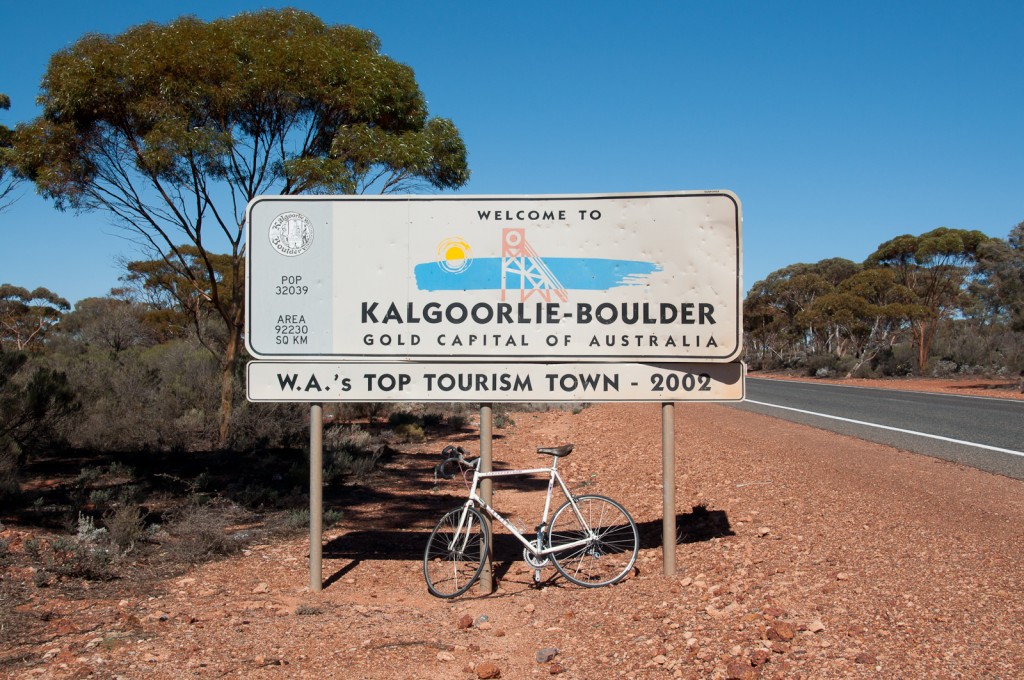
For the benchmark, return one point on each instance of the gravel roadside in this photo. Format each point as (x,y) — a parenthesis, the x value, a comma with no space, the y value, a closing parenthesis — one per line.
(801,554)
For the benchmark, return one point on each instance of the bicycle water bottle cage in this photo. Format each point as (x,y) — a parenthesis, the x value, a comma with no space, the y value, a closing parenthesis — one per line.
(557,451)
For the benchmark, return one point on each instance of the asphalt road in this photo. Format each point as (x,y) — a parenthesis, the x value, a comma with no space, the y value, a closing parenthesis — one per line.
(984,433)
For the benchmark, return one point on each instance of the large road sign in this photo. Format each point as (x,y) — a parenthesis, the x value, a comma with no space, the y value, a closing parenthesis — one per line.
(606,278)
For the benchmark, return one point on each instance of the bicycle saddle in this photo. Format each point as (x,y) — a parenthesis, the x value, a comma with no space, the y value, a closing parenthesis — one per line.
(557,451)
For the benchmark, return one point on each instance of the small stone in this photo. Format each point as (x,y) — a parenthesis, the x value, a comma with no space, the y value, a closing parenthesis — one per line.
(262,588)
(484,625)
(760,657)
(763,531)
(486,670)
(661,659)
(546,654)
(738,669)
(780,631)
(529,608)
(498,633)
(555,668)
(445,656)
(686,582)
(465,621)
(842,576)
(866,658)
(816,626)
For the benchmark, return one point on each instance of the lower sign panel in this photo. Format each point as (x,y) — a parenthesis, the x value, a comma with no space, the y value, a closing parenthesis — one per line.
(500,382)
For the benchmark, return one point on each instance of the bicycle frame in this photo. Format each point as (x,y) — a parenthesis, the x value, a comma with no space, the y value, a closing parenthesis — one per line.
(536,550)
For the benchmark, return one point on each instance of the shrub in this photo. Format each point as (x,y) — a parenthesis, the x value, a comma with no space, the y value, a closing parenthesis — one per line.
(398,419)
(410,432)
(822,365)
(125,525)
(80,557)
(458,421)
(199,531)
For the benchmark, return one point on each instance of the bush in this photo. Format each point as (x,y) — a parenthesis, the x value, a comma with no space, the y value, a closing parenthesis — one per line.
(822,365)
(897,361)
(410,432)
(199,531)
(458,421)
(350,452)
(125,525)
(35,407)
(85,555)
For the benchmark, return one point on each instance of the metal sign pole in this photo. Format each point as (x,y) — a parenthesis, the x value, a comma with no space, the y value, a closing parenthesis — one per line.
(316,497)
(668,481)
(486,461)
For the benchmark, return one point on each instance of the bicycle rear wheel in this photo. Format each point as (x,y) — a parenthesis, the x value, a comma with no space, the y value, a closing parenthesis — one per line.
(608,555)
(456,552)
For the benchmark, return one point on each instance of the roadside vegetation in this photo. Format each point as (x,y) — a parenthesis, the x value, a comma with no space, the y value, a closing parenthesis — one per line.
(947,302)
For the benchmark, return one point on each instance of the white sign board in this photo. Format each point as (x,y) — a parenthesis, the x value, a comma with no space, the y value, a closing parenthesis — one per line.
(289,381)
(629,277)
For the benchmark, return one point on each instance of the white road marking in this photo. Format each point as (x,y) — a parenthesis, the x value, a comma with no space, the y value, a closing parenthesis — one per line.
(893,429)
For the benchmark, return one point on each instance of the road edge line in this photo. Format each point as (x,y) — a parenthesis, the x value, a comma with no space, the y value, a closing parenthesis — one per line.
(891,429)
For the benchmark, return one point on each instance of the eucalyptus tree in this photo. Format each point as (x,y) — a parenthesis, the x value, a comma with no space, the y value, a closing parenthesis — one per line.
(7,178)
(865,314)
(26,316)
(776,315)
(936,267)
(172,129)
(1000,284)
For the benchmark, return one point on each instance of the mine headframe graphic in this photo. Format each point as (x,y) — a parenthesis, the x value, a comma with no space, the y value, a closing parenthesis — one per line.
(520,260)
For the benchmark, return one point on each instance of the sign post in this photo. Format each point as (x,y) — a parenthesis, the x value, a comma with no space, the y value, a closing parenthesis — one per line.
(486,490)
(617,297)
(668,484)
(316,497)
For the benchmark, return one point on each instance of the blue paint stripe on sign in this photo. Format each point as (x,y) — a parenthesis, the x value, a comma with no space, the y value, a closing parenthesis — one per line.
(572,273)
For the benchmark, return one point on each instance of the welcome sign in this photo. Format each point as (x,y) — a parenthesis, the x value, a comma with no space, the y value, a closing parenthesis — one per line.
(625,277)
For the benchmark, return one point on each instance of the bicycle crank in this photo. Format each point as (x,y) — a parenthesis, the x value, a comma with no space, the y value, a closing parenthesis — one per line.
(535,561)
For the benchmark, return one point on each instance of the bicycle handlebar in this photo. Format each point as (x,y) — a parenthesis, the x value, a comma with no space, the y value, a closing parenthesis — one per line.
(455,455)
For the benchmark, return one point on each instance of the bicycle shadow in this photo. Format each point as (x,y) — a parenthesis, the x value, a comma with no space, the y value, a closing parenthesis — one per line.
(698,525)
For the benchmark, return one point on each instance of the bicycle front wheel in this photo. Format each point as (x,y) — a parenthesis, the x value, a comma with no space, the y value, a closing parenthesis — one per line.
(610,545)
(456,552)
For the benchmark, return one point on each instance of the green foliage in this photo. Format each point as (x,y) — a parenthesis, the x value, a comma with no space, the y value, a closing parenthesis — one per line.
(161,397)
(172,129)
(935,266)
(110,323)
(27,316)
(85,555)
(35,408)
(999,286)
(908,290)
(8,181)
(180,294)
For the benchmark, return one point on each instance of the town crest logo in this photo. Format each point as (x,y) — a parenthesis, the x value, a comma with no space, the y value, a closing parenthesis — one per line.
(291,233)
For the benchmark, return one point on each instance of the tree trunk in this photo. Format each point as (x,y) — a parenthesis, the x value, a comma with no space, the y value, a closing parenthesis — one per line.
(227,389)
(923,331)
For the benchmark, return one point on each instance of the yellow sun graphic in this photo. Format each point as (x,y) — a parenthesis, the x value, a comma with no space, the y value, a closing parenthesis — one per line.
(453,255)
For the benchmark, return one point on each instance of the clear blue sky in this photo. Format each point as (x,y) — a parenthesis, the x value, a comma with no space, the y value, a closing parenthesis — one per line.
(839,125)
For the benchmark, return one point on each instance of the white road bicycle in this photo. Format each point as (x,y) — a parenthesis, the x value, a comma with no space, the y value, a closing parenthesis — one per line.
(591,540)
